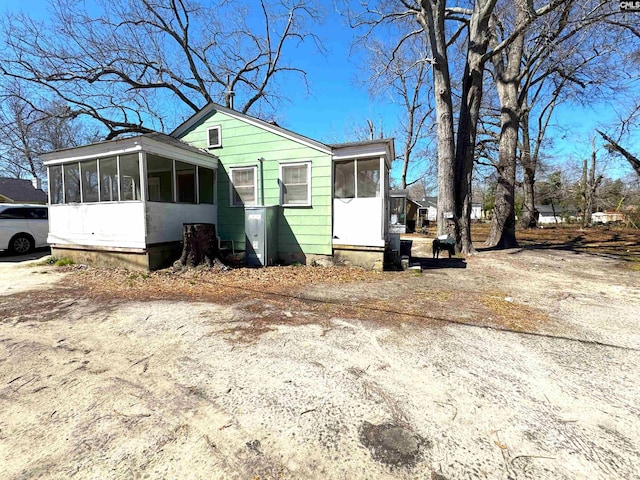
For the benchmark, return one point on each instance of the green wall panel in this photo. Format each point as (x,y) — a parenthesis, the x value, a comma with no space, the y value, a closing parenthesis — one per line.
(305,230)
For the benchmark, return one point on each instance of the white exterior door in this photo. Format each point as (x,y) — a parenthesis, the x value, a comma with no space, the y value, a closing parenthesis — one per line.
(358,202)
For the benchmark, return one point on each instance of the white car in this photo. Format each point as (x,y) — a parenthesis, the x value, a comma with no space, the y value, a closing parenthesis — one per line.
(23,227)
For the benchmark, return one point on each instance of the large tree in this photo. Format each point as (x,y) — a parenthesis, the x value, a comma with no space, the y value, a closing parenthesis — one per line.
(29,128)
(133,65)
(569,53)
(401,75)
(443,26)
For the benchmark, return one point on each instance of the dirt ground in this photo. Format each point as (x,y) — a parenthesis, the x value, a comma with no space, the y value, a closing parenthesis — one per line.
(515,364)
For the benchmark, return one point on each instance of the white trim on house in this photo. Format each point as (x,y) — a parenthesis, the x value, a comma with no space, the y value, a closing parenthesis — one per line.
(131,145)
(367,149)
(218,144)
(232,203)
(206,111)
(281,181)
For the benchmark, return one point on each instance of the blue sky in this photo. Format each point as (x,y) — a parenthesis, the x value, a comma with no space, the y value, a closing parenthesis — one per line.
(337,105)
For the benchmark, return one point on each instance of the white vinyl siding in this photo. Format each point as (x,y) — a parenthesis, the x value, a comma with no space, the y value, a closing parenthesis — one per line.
(295,184)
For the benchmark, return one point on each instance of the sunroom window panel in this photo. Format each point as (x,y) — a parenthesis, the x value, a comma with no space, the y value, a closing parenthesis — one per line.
(344,178)
(206,186)
(55,184)
(368,178)
(108,179)
(89,173)
(397,207)
(72,183)
(186,175)
(129,177)
(159,178)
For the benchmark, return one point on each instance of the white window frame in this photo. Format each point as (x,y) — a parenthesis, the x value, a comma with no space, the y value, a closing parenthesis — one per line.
(232,186)
(219,144)
(281,178)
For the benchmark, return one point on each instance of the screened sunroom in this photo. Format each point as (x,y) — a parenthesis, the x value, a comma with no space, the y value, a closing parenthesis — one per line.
(124,201)
(360,193)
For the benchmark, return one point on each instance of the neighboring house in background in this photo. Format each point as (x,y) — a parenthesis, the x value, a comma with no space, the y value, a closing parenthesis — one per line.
(607,217)
(324,200)
(403,212)
(549,214)
(17,190)
(428,211)
(476,211)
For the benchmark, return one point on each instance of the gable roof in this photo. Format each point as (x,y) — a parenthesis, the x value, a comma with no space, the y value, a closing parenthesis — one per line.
(19,190)
(211,108)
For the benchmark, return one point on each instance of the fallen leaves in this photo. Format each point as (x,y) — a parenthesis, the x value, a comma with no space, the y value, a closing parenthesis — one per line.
(210,283)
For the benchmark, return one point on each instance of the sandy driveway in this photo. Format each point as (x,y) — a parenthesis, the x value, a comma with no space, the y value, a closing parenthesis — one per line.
(523,364)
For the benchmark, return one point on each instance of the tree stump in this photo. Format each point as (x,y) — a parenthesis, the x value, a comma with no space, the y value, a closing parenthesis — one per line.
(200,245)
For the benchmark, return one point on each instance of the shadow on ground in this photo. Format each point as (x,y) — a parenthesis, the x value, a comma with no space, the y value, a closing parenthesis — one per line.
(8,257)
(436,263)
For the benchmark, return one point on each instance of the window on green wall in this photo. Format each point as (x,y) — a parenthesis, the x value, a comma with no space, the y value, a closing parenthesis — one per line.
(207,185)
(295,184)
(159,178)
(244,189)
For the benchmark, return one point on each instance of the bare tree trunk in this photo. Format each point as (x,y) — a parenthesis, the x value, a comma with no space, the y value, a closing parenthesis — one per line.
(405,167)
(507,70)
(590,186)
(528,218)
(583,195)
(432,20)
(468,120)
(503,225)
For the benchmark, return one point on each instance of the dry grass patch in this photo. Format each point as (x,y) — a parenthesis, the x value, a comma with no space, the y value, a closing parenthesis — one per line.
(506,313)
(208,284)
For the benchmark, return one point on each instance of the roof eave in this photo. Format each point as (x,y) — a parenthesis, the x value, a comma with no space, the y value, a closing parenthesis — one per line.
(123,146)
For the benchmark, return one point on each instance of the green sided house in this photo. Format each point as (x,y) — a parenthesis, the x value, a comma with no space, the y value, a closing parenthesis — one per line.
(276,195)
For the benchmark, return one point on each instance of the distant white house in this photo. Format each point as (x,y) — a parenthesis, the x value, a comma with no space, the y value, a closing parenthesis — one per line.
(476,211)
(549,214)
(607,217)
(429,211)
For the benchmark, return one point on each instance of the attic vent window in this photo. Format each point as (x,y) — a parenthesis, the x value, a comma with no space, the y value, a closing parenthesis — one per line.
(214,137)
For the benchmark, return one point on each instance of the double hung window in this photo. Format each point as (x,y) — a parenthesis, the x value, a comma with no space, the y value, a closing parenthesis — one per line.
(244,189)
(295,184)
